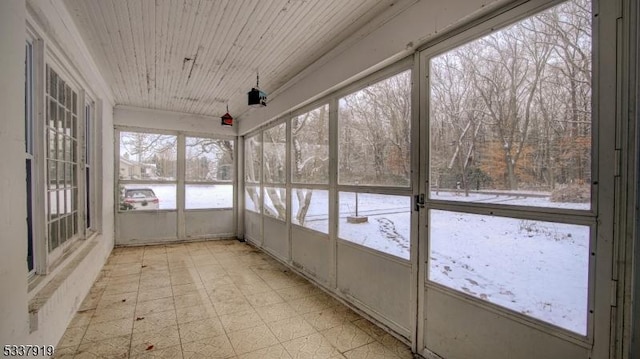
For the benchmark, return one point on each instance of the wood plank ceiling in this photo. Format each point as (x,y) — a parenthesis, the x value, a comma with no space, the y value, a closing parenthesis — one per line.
(197,56)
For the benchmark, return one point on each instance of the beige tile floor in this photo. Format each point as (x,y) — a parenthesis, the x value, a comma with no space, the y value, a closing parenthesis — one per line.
(217,299)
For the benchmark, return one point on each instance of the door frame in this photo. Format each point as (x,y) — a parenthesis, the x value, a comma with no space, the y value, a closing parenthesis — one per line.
(605,187)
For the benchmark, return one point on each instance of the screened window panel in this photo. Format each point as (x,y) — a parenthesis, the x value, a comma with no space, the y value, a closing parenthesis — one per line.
(201,196)
(253,159)
(275,202)
(310,208)
(380,222)
(510,114)
(310,147)
(274,153)
(148,156)
(537,268)
(208,160)
(252,199)
(374,126)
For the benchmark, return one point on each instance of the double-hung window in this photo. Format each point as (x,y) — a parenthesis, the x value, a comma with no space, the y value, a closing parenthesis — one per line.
(29,153)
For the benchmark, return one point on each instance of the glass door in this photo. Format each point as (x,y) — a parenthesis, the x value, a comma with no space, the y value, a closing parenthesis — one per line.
(508,233)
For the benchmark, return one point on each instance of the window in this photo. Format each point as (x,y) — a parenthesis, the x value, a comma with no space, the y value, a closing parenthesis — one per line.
(62,160)
(275,202)
(310,166)
(310,147)
(148,171)
(274,168)
(378,221)
(510,118)
(252,198)
(88,163)
(375,134)
(310,208)
(209,172)
(253,173)
(58,158)
(374,149)
(533,267)
(29,152)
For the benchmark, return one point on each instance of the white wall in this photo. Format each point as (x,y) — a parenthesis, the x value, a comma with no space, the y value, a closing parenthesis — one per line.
(57,303)
(13,230)
(170,121)
(356,58)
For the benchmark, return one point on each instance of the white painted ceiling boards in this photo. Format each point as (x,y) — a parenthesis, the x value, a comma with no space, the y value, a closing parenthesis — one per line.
(195,56)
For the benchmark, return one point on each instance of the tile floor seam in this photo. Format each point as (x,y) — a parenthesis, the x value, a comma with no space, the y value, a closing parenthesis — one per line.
(135,309)
(175,311)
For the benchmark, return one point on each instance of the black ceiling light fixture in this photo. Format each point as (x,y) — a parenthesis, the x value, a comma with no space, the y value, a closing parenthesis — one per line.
(226,119)
(257,98)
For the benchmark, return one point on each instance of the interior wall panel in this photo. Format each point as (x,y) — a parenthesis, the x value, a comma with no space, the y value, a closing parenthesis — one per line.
(485,333)
(276,239)
(311,253)
(209,223)
(146,227)
(379,282)
(252,227)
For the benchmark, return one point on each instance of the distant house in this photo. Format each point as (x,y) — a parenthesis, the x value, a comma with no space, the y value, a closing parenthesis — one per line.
(136,170)
(129,169)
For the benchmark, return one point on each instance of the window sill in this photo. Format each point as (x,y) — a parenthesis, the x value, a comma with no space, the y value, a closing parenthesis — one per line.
(43,287)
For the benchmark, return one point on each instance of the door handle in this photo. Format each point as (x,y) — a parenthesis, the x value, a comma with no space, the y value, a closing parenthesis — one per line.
(419,201)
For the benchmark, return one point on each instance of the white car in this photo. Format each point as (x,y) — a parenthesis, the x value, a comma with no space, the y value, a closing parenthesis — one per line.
(140,199)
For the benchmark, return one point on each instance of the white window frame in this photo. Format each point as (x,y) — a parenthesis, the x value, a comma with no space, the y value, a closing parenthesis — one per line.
(29,150)
(286,178)
(119,181)
(406,64)
(293,185)
(56,254)
(179,181)
(586,217)
(255,183)
(45,53)
(90,162)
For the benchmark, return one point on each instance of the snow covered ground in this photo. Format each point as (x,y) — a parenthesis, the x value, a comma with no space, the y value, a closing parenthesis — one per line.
(504,197)
(388,226)
(535,268)
(196,196)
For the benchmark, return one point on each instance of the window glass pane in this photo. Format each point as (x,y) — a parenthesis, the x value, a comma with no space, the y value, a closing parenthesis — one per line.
(88,137)
(253,159)
(147,197)
(199,196)
(252,199)
(378,221)
(510,117)
(208,159)
(375,134)
(28,98)
(540,269)
(310,146)
(275,202)
(53,235)
(62,164)
(275,150)
(147,156)
(310,208)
